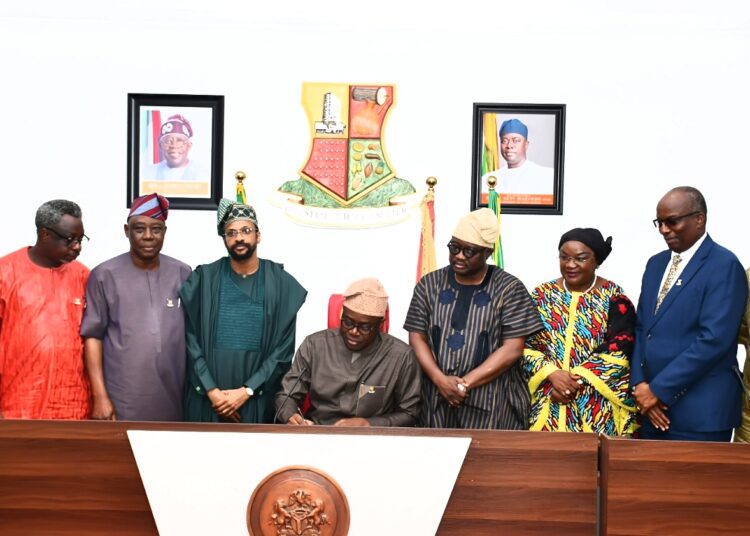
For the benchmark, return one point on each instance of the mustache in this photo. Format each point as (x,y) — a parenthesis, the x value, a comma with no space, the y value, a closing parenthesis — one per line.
(250,249)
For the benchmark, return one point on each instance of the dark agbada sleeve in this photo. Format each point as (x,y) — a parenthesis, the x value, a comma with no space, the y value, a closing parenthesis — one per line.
(191,296)
(286,296)
(417,318)
(518,314)
(96,314)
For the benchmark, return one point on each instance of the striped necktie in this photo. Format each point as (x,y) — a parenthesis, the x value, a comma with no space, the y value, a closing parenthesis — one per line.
(676,260)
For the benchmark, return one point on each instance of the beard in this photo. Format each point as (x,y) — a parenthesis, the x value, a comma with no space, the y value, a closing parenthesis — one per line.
(241,256)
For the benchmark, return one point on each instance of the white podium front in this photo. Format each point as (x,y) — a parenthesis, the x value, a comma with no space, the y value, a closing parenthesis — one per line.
(200,483)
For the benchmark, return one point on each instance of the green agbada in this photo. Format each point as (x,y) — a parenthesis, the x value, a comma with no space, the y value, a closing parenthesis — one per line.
(214,362)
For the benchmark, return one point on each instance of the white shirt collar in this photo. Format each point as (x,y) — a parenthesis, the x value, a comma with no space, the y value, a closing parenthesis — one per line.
(685,257)
(690,252)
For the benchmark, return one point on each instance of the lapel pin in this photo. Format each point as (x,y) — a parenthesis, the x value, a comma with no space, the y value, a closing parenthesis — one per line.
(679,283)
(170,303)
(77,301)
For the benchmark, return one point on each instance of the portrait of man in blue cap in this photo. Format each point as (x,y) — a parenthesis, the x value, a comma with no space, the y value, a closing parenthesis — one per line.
(517,174)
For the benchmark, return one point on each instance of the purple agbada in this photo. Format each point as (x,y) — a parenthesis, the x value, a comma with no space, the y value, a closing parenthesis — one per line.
(138,317)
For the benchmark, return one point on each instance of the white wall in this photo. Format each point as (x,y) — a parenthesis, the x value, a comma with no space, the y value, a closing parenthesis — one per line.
(656,97)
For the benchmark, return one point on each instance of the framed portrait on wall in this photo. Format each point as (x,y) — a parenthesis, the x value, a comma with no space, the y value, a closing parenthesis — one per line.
(175,148)
(522,146)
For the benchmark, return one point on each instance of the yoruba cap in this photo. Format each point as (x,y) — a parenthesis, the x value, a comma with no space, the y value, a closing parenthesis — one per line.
(230,211)
(366,296)
(514,126)
(479,227)
(592,238)
(177,124)
(152,205)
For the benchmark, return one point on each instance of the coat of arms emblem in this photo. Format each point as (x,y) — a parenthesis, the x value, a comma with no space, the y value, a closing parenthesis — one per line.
(347,165)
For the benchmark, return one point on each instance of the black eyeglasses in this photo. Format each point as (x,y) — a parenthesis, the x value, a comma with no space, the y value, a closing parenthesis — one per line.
(245,231)
(468,252)
(364,328)
(69,240)
(674,220)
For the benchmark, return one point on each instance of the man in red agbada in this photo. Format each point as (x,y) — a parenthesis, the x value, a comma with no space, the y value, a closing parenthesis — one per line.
(42,291)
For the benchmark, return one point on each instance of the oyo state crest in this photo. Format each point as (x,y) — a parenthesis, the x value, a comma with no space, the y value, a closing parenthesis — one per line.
(347,166)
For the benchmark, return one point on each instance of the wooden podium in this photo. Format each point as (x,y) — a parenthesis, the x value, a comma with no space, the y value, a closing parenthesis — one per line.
(80,478)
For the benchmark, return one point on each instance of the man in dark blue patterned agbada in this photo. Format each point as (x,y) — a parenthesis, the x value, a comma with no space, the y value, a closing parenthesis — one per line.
(240,321)
(468,323)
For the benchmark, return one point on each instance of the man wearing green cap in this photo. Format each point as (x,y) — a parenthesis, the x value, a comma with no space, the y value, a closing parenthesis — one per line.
(240,320)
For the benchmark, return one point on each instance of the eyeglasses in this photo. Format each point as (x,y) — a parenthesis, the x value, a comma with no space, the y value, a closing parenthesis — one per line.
(69,240)
(245,231)
(674,220)
(580,260)
(365,329)
(468,252)
(177,141)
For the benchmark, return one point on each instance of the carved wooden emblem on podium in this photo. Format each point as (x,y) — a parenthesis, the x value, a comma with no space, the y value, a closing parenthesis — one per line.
(298,501)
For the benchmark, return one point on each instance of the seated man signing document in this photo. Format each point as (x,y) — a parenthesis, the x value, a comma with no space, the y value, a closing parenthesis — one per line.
(355,375)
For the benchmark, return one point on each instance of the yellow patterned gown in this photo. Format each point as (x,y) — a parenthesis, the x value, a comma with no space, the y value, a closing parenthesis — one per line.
(589,334)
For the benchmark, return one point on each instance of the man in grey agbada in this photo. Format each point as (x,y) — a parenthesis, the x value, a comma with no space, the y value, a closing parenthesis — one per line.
(133,327)
(355,375)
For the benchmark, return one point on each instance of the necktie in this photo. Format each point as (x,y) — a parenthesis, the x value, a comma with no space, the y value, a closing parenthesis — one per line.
(676,260)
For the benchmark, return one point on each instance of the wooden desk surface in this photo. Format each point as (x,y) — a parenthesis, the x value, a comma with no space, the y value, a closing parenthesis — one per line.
(81,478)
(674,488)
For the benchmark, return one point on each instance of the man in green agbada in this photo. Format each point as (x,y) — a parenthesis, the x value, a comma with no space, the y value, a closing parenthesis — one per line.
(240,320)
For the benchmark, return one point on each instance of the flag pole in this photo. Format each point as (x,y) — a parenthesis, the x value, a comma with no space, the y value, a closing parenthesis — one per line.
(426,261)
(494,205)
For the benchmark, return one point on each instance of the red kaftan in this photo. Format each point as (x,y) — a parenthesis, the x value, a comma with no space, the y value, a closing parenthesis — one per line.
(41,351)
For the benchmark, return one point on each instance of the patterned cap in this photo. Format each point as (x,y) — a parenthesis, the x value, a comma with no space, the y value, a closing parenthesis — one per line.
(152,205)
(177,124)
(230,211)
(514,126)
(367,297)
(479,227)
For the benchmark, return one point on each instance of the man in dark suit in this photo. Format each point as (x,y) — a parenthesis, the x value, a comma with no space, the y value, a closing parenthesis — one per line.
(692,301)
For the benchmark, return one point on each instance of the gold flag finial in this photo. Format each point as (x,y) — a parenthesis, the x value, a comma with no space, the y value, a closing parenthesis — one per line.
(491,181)
(431,182)
(240,189)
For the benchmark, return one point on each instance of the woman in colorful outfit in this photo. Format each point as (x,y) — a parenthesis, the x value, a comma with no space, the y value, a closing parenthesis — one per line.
(578,367)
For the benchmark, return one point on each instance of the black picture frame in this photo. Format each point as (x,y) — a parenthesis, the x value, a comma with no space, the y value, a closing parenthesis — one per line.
(195,186)
(545,124)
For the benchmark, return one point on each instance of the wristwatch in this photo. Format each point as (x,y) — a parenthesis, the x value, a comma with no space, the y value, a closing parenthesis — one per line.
(249,391)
